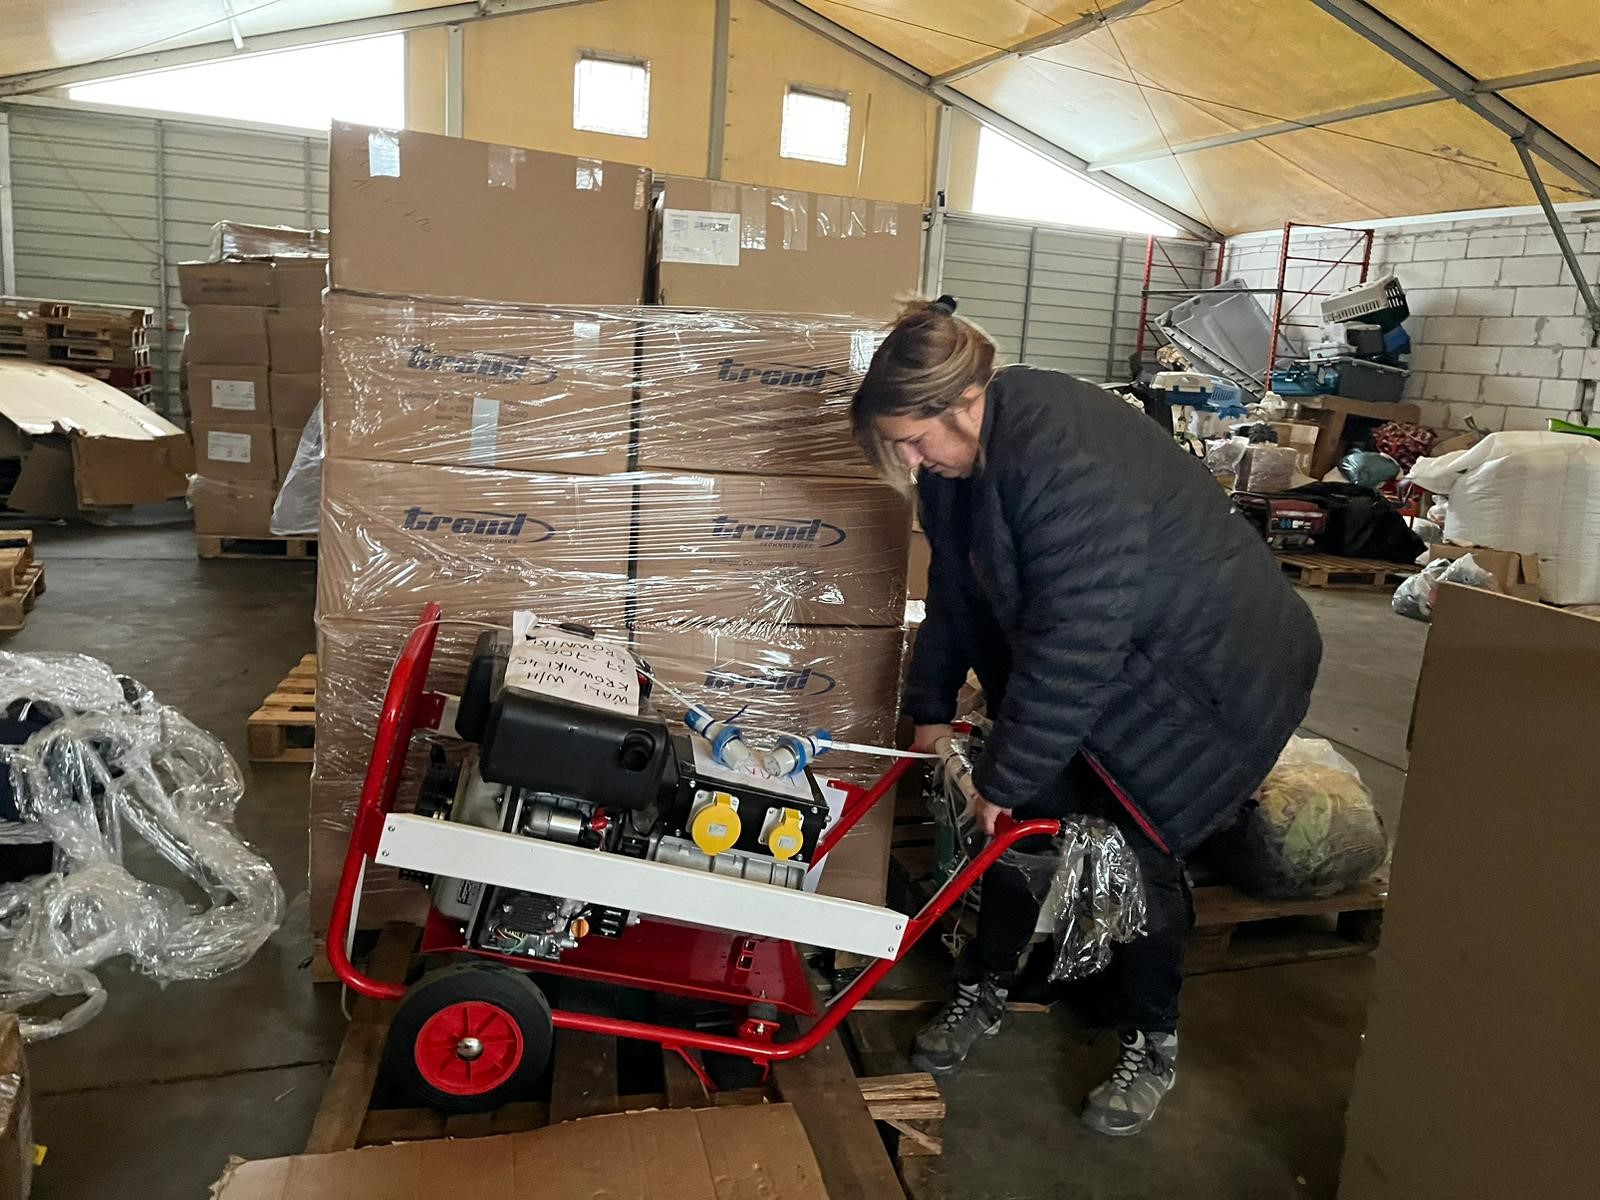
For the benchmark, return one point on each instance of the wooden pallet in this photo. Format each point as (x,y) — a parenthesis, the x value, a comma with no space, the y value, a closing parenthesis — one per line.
(1332,571)
(18,603)
(16,557)
(589,1077)
(255,546)
(283,729)
(1232,931)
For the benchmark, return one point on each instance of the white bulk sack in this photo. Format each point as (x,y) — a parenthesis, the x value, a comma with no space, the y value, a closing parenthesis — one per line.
(1535,493)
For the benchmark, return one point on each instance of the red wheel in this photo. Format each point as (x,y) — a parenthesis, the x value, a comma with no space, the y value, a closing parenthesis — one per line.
(468,1048)
(470,1038)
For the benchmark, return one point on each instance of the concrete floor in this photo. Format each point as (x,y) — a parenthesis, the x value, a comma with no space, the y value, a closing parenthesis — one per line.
(152,1097)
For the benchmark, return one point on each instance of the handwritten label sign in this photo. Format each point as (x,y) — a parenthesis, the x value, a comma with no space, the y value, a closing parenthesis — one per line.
(571,667)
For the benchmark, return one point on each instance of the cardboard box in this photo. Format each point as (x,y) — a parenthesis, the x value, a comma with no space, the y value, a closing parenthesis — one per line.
(227,283)
(240,394)
(298,283)
(238,239)
(918,565)
(234,452)
(237,508)
(1514,574)
(1491,882)
(16,1113)
(730,1153)
(395,536)
(474,385)
(294,397)
(755,549)
(729,245)
(1301,437)
(226,333)
(416,214)
(764,393)
(294,339)
(85,444)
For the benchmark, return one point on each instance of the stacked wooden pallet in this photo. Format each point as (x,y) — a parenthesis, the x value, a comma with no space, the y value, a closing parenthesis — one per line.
(112,344)
(21,579)
(283,728)
(592,1075)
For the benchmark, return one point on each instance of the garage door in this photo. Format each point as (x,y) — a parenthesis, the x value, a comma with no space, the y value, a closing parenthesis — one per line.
(1056,297)
(105,206)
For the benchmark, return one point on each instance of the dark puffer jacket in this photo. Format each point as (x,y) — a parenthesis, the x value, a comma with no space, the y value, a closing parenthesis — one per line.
(1096,578)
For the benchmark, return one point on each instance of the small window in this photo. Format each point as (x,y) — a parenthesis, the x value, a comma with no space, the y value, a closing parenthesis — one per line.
(816,126)
(611,95)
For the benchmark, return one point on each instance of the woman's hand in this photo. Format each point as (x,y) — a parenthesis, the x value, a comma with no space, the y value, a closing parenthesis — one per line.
(925,737)
(986,814)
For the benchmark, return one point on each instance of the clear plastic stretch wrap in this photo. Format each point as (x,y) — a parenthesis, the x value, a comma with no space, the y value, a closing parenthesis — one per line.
(683,482)
(114,761)
(591,391)
(235,239)
(297,509)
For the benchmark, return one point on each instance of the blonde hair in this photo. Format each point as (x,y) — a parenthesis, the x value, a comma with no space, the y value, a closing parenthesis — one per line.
(924,366)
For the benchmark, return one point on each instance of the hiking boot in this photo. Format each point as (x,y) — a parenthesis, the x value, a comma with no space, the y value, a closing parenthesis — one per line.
(1123,1105)
(976,1011)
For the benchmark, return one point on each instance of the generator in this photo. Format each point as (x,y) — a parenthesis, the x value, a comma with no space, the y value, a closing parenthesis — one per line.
(605,844)
(617,783)
(1285,522)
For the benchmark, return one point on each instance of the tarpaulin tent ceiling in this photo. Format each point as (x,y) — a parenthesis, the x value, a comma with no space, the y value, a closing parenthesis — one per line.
(1243,112)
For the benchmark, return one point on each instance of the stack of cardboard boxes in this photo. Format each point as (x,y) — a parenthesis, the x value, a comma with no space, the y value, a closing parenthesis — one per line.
(682,479)
(254,362)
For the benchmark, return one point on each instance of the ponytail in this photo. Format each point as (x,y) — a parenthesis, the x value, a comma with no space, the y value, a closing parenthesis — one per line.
(928,361)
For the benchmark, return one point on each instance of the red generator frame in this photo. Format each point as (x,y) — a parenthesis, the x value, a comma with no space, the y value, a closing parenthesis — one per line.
(758,977)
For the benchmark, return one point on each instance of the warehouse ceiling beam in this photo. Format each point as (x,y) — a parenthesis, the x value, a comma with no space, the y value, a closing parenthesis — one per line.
(1503,83)
(267,43)
(921,80)
(1590,304)
(1406,48)
(1070,32)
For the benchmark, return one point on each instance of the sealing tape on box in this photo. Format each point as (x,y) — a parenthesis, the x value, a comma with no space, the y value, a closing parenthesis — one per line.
(886,219)
(503,162)
(795,219)
(753,218)
(484,434)
(591,176)
(830,212)
(855,224)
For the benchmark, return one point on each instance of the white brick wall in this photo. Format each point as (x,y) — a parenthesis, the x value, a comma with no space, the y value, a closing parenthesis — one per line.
(1498,329)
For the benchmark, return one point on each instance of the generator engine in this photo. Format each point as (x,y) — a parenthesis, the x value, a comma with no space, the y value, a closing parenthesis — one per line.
(612,782)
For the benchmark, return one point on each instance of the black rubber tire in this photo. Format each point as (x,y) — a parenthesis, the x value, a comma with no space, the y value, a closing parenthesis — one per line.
(507,988)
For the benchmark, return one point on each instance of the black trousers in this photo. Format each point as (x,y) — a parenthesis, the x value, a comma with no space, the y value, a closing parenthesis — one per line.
(1145,976)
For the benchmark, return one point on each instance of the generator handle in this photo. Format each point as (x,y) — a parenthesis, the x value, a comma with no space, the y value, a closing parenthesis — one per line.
(860,801)
(404,705)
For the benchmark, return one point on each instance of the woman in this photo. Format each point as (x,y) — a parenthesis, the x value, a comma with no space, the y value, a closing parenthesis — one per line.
(1142,657)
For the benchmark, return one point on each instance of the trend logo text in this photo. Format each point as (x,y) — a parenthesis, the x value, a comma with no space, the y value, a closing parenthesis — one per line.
(511,526)
(815,532)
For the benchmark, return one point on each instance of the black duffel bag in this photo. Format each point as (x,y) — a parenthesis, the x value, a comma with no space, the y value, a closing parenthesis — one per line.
(1361,524)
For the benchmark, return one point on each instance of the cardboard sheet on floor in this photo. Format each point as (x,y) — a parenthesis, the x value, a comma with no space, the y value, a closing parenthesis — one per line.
(687,1154)
(88,439)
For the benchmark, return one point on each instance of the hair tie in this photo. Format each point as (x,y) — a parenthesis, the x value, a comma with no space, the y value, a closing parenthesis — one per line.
(945,304)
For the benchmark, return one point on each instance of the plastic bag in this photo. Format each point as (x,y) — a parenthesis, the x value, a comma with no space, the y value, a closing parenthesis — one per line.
(116,762)
(1096,897)
(297,510)
(1310,831)
(1367,469)
(1224,457)
(1414,597)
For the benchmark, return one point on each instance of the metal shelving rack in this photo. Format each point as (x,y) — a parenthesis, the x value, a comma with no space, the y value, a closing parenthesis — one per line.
(1361,240)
